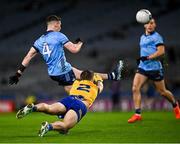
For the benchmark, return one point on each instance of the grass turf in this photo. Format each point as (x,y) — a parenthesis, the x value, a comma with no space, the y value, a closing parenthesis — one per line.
(111,127)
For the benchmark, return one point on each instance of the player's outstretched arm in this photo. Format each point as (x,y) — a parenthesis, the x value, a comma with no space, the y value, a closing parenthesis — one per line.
(14,79)
(74,47)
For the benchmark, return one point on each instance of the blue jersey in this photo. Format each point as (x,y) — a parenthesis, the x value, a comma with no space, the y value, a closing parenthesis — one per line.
(50,45)
(148,46)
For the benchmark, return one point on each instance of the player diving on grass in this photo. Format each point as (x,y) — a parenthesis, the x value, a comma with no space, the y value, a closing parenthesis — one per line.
(72,108)
(51,46)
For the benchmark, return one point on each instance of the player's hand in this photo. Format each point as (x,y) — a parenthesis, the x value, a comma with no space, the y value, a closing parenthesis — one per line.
(138,61)
(144,58)
(97,78)
(78,40)
(14,79)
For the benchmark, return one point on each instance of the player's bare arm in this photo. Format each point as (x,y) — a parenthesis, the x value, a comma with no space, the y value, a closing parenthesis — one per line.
(74,48)
(15,78)
(160,51)
(32,53)
(100,86)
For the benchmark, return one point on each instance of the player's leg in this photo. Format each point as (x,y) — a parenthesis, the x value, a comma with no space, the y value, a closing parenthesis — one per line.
(138,82)
(116,74)
(69,121)
(161,88)
(53,109)
(77,72)
(76,109)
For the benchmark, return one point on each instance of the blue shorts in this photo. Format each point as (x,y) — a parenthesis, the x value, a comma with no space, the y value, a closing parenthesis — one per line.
(74,103)
(65,79)
(155,75)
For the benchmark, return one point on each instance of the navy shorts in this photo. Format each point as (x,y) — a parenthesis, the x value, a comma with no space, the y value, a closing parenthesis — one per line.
(74,103)
(155,75)
(65,79)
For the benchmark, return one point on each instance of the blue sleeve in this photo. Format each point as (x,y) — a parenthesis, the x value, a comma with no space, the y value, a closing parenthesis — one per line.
(62,38)
(36,46)
(159,40)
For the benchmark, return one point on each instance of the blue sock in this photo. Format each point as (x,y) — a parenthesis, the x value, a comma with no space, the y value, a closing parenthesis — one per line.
(138,111)
(50,127)
(34,109)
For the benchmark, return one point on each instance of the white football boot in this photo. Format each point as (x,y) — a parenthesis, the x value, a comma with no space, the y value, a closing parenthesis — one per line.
(44,129)
(117,72)
(24,111)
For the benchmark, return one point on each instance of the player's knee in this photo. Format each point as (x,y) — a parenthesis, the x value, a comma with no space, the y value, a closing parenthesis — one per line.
(44,105)
(135,89)
(50,109)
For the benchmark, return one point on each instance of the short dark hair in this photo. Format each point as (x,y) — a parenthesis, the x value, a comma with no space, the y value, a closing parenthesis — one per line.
(87,75)
(52,18)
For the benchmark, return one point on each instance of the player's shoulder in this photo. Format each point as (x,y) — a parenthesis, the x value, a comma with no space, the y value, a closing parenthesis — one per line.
(157,37)
(156,34)
(142,35)
(58,34)
(76,82)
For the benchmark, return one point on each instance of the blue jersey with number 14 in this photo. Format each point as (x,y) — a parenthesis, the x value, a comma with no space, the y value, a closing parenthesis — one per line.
(50,45)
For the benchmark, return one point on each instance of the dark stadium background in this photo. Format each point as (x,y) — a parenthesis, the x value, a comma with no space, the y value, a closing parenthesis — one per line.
(109,31)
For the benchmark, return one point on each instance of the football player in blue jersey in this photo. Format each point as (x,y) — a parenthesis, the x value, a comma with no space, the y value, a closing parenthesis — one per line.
(150,67)
(51,46)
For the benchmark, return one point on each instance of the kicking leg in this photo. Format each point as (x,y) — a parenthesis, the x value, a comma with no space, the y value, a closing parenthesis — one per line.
(116,74)
(77,72)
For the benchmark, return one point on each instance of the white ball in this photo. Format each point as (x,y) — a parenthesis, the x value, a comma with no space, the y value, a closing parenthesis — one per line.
(143,16)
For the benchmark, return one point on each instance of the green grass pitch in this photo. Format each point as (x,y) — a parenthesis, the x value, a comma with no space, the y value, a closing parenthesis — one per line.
(111,127)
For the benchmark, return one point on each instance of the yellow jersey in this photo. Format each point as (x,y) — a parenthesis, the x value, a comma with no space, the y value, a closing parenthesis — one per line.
(85,88)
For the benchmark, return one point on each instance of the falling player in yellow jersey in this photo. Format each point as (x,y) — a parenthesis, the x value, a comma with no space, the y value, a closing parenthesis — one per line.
(72,108)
